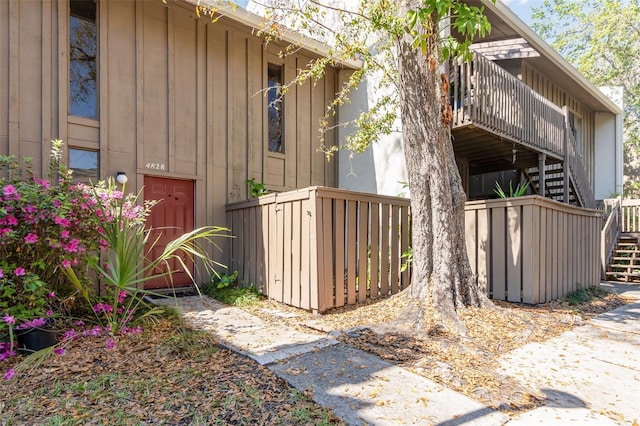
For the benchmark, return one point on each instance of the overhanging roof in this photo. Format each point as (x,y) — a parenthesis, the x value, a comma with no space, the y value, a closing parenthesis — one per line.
(254,21)
(507,26)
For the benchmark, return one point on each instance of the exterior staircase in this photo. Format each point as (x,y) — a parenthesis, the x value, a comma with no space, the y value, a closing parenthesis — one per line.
(554,183)
(624,264)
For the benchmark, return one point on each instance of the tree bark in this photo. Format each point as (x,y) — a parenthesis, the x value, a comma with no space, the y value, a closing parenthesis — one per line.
(441,274)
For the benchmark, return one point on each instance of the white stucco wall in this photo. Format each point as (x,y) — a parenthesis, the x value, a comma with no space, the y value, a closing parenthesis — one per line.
(381,168)
(608,174)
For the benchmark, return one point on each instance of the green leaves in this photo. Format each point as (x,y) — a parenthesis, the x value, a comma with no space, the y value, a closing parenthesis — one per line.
(518,191)
(601,38)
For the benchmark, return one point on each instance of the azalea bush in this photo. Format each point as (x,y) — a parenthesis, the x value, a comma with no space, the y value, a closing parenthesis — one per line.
(57,237)
(45,224)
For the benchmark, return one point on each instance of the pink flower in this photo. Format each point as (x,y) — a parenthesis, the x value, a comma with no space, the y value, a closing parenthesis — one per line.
(68,335)
(121,296)
(59,351)
(9,319)
(109,343)
(8,375)
(71,246)
(31,238)
(12,221)
(1,273)
(49,313)
(52,295)
(19,271)
(62,221)
(9,190)
(95,331)
(66,263)
(43,183)
(64,234)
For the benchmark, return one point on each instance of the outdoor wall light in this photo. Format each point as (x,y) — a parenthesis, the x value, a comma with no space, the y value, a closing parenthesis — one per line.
(121,178)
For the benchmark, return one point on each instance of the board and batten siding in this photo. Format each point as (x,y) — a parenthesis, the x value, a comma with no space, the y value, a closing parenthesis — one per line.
(532,249)
(179,97)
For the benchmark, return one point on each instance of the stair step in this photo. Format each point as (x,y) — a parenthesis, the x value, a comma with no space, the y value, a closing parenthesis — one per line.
(625,267)
(617,251)
(628,259)
(626,275)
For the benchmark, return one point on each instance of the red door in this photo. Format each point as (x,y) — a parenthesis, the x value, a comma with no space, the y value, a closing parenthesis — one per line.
(169,219)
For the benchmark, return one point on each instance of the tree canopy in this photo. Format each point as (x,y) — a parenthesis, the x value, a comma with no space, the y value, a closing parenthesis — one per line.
(405,45)
(602,39)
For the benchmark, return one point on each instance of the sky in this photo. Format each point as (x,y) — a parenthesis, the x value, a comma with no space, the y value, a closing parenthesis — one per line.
(522,8)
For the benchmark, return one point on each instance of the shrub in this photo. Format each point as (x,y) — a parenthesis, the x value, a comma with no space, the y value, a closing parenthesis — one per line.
(44,225)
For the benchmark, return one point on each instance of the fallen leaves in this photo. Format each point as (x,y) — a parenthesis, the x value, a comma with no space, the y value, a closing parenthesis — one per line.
(168,376)
(466,365)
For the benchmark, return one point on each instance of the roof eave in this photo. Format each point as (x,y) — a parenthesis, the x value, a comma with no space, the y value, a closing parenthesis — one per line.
(504,13)
(254,21)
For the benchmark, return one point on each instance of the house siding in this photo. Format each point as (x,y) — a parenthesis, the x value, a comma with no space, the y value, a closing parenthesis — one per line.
(179,97)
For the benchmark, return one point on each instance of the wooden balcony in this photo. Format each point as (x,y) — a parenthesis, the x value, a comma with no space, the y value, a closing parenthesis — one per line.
(499,123)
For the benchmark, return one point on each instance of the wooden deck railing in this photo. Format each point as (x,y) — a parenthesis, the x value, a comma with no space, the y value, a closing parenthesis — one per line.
(487,96)
(318,248)
(630,216)
(610,232)
(532,249)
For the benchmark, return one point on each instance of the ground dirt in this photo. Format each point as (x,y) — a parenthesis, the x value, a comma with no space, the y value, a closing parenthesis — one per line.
(464,364)
(169,375)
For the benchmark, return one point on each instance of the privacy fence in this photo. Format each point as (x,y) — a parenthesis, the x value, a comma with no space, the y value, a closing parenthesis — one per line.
(533,249)
(318,248)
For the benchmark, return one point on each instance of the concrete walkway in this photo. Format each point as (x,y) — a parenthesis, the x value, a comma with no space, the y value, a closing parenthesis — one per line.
(591,374)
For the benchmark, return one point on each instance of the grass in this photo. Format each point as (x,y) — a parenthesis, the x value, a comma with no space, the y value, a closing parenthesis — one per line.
(585,295)
(231,294)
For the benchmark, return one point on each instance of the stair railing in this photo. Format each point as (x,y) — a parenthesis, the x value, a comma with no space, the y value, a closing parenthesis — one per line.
(630,216)
(578,173)
(610,231)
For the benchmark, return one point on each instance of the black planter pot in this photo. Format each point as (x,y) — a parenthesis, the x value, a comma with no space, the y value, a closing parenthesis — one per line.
(33,339)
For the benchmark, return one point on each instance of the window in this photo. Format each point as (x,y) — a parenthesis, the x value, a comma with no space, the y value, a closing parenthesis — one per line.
(83,42)
(275,107)
(84,164)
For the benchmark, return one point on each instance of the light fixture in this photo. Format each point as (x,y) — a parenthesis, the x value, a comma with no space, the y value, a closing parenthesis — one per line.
(121,178)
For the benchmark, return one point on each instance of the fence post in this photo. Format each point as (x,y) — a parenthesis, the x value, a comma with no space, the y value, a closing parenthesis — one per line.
(565,165)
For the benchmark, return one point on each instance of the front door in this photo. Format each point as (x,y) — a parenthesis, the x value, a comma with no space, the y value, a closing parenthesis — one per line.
(169,219)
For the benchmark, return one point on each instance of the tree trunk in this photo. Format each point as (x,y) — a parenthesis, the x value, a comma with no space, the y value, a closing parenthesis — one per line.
(441,275)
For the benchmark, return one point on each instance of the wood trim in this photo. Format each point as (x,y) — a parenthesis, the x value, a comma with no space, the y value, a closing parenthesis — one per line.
(171,82)
(139,22)
(47,79)
(102,84)
(14,77)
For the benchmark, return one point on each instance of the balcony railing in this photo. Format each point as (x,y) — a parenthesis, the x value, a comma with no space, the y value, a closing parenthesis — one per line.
(485,95)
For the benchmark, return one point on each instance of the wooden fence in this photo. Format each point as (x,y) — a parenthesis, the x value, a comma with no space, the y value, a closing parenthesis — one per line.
(532,249)
(318,248)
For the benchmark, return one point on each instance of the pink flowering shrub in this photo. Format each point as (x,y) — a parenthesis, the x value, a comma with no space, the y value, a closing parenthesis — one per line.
(48,227)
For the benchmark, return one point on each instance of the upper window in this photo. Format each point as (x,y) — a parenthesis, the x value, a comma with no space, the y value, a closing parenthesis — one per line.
(83,42)
(275,107)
